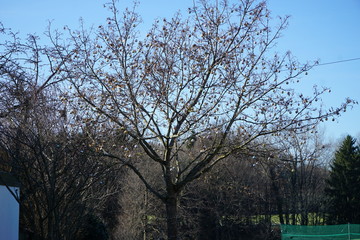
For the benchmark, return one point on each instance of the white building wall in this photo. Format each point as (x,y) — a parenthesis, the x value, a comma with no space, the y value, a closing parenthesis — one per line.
(9,214)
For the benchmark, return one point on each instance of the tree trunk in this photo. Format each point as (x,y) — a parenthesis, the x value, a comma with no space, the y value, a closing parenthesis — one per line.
(171,216)
(276,191)
(145,215)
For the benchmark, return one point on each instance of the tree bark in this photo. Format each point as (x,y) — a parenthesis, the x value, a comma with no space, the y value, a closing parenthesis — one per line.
(276,191)
(171,216)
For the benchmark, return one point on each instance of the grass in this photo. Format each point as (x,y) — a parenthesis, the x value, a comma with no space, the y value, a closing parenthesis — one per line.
(275,219)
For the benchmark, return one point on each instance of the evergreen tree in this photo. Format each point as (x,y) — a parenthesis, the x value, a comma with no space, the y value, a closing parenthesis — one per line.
(343,184)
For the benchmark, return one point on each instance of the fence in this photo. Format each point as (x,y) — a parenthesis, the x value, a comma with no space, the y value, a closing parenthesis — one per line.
(328,232)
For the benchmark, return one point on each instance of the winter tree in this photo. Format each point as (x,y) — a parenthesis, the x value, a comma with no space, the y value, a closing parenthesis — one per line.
(192,80)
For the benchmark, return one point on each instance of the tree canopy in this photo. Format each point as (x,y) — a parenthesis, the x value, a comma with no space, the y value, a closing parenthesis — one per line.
(343,184)
(202,78)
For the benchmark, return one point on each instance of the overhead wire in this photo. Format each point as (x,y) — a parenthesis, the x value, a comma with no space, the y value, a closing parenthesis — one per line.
(341,61)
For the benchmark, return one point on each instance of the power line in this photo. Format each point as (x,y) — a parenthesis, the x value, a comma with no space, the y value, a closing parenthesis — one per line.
(346,60)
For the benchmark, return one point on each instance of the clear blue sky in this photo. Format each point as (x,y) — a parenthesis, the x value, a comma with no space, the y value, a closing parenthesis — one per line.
(325,30)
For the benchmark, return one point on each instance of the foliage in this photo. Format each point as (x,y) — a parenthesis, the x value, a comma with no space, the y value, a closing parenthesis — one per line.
(343,183)
(94,229)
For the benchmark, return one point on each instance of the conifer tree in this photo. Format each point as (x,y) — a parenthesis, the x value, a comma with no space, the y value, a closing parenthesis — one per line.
(343,185)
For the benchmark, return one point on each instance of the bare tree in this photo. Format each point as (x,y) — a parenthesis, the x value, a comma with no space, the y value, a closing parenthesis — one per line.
(199,78)
(62,177)
(308,173)
(296,170)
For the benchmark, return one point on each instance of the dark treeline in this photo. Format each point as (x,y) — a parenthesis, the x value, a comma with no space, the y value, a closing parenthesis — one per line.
(69,190)
(247,197)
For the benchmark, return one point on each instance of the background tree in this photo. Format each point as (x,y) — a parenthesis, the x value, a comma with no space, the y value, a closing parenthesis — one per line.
(141,214)
(307,177)
(62,177)
(200,78)
(299,172)
(343,184)
(228,202)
